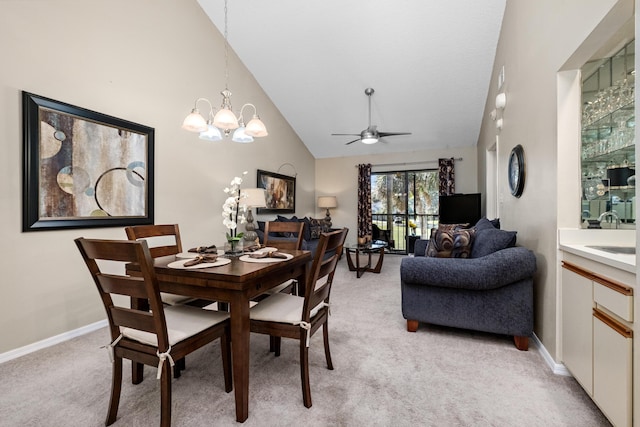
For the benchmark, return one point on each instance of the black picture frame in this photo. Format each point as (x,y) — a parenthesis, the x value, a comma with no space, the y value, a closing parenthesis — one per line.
(280,191)
(84,169)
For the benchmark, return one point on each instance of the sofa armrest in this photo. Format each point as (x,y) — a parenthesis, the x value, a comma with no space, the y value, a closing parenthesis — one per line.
(489,272)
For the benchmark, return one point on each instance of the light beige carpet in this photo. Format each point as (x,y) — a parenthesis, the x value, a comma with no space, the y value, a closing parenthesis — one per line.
(384,376)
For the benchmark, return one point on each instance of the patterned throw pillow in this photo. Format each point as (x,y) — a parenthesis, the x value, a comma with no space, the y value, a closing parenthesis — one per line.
(450,241)
(317,227)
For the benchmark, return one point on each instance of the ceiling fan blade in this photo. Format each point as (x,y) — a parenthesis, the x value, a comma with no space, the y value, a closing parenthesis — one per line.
(345,134)
(351,142)
(383,134)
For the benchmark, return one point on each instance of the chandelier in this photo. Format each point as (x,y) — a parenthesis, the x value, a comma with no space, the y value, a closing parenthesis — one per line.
(224,120)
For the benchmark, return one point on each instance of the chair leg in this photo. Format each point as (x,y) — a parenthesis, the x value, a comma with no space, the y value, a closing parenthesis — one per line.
(137,372)
(327,351)
(116,386)
(165,395)
(180,366)
(277,343)
(272,343)
(304,372)
(225,350)
(412,325)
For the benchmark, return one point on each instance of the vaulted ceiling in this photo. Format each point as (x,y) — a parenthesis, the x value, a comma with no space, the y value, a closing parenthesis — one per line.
(429,62)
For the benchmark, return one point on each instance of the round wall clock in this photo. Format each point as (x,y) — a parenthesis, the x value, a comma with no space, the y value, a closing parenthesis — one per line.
(516,170)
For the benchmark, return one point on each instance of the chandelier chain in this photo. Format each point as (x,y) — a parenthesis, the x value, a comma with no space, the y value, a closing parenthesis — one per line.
(226,49)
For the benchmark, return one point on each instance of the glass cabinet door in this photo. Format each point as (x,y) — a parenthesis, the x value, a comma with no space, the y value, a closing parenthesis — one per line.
(608,140)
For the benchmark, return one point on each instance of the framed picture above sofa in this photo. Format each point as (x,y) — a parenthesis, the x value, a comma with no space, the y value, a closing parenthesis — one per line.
(280,192)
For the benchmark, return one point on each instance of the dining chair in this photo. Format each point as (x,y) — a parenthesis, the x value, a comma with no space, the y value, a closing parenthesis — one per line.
(152,337)
(162,240)
(288,230)
(290,316)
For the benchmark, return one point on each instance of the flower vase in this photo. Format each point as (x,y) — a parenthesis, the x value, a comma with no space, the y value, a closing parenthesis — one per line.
(233,247)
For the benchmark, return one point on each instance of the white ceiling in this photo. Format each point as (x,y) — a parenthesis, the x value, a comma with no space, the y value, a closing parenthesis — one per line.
(429,62)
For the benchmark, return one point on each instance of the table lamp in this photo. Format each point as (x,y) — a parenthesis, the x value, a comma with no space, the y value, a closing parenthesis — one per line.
(327,202)
(255,199)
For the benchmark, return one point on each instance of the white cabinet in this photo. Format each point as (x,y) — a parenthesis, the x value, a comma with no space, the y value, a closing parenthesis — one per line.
(597,339)
(612,368)
(577,334)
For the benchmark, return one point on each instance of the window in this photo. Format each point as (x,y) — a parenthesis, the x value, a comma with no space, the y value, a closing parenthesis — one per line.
(405,202)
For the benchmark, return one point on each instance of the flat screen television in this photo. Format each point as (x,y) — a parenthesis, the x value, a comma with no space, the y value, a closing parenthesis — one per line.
(460,208)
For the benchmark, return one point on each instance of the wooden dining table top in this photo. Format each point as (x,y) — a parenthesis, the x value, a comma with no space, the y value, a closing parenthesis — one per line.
(235,283)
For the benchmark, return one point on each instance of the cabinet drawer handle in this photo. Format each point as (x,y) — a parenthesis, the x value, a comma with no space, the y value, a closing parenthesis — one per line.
(577,270)
(612,323)
(615,286)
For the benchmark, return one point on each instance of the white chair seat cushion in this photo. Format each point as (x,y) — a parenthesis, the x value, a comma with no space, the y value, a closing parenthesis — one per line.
(173,299)
(281,308)
(183,321)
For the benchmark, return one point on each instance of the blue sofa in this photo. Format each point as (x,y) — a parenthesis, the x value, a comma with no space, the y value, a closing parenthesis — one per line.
(490,291)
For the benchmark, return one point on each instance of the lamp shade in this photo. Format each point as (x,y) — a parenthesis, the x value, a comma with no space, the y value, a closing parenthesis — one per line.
(240,135)
(327,202)
(211,134)
(194,122)
(255,197)
(225,119)
(256,128)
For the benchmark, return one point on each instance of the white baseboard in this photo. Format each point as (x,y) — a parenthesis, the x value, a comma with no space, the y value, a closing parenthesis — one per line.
(13,354)
(556,368)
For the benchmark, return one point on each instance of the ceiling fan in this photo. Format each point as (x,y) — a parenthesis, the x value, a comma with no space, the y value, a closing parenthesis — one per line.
(370,135)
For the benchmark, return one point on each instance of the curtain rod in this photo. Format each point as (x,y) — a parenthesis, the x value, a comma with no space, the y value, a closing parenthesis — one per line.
(457,159)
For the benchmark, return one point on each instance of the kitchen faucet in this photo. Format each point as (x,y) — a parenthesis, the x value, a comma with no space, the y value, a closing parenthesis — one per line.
(612,214)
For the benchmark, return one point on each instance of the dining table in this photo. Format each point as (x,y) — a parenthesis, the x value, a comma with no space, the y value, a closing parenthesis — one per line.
(236,284)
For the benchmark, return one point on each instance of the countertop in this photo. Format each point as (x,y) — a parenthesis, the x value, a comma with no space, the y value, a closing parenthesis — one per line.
(577,242)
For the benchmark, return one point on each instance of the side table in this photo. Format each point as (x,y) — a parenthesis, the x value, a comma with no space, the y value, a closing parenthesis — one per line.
(353,254)
(411,243)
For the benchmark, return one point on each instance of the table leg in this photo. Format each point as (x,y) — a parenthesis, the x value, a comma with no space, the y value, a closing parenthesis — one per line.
(240,331)
(378,266)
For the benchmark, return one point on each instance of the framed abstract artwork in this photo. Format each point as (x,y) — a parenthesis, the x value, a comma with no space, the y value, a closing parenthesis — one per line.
(82,168)
(280,192)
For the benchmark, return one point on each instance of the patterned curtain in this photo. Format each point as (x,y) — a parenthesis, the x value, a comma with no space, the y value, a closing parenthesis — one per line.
(364,200)
(447,177)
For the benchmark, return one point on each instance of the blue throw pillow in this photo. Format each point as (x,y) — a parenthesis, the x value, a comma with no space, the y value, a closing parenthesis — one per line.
(490,240)
(307,229)
(484,223)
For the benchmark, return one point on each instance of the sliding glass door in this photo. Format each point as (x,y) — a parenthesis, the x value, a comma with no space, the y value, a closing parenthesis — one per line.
(406,203)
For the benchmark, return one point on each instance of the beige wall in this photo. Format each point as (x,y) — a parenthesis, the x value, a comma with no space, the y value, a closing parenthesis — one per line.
(145,61)
(339,177)
(536,40)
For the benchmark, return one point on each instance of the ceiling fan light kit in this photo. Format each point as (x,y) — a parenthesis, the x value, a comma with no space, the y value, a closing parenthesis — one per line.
(370,135)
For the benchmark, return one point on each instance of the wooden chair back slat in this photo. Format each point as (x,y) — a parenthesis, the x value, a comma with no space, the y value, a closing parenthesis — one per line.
(130,286)
(148,232)
(135,319)
(294,227)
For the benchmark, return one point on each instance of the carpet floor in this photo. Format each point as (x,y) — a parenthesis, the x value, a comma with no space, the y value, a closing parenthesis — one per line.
(383,376)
